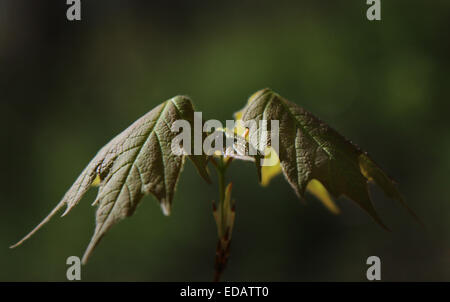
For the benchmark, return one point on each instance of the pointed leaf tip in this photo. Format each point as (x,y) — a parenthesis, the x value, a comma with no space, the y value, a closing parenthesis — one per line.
(166,208)
(372,172)
(317,189)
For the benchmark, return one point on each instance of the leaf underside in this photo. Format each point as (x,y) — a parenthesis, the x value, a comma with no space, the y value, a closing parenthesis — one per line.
(311,150)
(137,162)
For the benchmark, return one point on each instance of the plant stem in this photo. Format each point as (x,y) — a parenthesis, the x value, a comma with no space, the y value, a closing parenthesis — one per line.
(221,170)
(224,216)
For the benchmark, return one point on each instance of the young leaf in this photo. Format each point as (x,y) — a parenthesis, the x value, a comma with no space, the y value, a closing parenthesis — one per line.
(138,161)
(317,189)
(310,150)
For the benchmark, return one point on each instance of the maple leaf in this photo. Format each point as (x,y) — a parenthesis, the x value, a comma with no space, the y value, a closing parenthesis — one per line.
(137,162)
(313,155)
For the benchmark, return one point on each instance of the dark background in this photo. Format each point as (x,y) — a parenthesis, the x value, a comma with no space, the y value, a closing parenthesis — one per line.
(66,88)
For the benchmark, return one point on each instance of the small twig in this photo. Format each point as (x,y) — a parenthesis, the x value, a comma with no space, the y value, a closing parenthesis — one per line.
(223,214)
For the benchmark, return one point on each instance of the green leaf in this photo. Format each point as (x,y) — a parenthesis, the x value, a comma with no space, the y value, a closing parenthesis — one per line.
(310,150)
(137,162)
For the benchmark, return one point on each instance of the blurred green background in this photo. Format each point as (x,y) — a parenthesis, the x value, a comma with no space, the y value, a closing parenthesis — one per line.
(66,88)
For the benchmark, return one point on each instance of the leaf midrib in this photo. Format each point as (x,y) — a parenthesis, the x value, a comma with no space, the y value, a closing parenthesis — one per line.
(133,163)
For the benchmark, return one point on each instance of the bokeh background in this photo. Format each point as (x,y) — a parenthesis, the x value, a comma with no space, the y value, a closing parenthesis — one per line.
(66,88)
